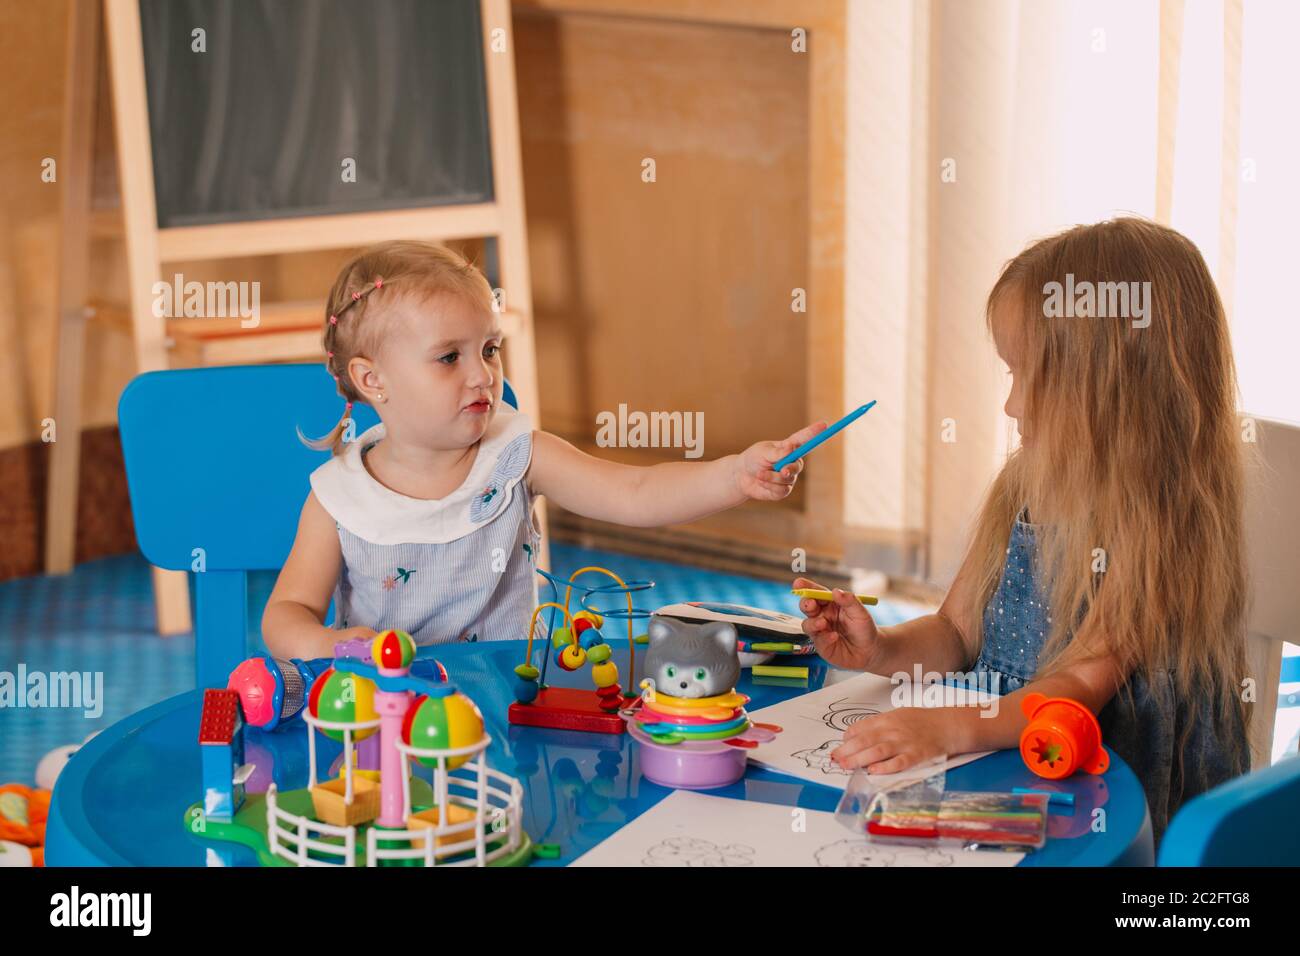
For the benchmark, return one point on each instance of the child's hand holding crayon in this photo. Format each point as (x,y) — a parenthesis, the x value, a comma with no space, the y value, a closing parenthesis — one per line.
(844,633)
(754,475)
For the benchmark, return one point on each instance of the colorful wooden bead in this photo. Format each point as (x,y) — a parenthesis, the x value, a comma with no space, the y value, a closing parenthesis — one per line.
(525,690)
(591,616)
(581,623)
(560,637)
(604,674)
(599,654)
(527,672)
(590,638)
(571,658)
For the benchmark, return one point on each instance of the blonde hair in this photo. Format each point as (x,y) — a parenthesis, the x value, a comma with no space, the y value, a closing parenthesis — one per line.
(1135,450)
(356,312)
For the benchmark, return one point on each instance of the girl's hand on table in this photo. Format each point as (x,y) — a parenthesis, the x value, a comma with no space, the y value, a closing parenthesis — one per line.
(844,633)
(754,475)
(898,739)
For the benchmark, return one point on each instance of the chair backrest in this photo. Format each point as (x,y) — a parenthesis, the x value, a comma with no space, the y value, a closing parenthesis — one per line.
(217,479)
(1272,530)
(1250,821)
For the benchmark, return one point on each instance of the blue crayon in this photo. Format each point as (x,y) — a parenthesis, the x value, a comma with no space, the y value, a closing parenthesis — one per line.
(817,439)
(1064,799)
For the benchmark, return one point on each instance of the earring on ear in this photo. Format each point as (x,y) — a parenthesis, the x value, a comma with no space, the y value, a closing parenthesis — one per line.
(380,396)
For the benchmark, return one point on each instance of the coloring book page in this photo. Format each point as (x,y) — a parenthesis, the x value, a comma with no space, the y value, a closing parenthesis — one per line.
(695,829)
(813,725)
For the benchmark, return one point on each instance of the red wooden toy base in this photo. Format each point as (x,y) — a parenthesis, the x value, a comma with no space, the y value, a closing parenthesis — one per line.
(568,708)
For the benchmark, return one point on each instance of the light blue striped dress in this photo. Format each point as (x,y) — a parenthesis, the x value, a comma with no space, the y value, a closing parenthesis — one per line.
(460,568)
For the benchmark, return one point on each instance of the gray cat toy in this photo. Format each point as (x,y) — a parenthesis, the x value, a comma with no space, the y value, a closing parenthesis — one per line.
(692,660)
(690,722)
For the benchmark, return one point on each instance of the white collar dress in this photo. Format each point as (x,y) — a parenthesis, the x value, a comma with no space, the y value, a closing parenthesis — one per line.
(459,568)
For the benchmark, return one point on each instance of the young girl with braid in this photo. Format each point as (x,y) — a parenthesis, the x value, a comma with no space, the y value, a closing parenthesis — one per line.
(424,522)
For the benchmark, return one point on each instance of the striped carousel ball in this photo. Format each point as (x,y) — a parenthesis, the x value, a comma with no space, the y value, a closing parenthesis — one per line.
(442,723)
(342,698)
(393,650)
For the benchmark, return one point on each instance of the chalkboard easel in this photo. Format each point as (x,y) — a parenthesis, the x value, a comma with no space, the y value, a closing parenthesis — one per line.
(235,181)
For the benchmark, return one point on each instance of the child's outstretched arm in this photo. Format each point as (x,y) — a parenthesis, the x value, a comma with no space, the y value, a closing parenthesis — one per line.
(291,623)
(663,494)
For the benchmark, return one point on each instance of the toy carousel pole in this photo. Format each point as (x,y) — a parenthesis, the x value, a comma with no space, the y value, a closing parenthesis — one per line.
(393,652)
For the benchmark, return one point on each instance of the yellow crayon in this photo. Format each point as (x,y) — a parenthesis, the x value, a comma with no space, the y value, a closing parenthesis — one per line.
(778,670)
(817,595)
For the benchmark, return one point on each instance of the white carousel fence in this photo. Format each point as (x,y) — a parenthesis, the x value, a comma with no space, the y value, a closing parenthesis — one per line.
(495,830)
(293,844)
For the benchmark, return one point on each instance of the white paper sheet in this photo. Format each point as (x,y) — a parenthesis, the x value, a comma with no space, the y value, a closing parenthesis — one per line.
(813,725)
(695,829)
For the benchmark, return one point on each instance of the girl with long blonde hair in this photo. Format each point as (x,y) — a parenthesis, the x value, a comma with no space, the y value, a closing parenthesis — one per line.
(1107,562)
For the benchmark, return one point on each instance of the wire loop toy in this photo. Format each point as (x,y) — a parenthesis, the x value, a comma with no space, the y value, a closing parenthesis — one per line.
(576,643)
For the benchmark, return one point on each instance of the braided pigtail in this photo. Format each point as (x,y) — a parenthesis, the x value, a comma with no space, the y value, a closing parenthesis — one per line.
(333,440)
(413,270)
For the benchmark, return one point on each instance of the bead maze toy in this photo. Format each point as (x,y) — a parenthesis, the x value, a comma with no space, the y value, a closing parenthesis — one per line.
(470,815)
(579,642)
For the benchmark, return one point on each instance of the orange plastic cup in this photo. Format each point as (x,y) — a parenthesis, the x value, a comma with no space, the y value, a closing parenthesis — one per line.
(1063,736)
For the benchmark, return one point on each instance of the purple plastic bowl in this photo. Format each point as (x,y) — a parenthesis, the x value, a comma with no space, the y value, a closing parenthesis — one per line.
(701,765)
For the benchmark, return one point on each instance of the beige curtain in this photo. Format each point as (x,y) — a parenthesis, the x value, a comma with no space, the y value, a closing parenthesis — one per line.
(976,126)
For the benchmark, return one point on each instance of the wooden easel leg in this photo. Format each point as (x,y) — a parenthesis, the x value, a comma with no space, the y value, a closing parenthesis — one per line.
(65,451)
(74,175)
(171,599)
(140,224)
(512,240)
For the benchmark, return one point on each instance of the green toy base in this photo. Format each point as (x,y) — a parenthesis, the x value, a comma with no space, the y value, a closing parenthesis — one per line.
(249,827)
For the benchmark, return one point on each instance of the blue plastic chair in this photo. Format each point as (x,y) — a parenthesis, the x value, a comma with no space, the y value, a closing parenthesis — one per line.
(217,478)
(1250,821)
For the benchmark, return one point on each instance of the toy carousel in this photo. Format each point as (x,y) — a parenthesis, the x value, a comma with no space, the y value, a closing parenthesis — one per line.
(469,815)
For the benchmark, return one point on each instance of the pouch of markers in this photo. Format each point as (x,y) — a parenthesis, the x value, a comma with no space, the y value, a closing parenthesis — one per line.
(917,810)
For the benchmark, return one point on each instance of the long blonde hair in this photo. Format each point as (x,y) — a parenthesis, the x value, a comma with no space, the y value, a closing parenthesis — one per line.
(363,294)
(1136,450)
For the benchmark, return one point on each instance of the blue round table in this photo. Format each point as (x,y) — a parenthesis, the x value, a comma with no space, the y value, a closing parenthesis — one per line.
(121,799)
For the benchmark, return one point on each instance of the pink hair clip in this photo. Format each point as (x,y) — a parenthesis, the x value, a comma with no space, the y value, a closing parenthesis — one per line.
(329,354)
(355,296)
(334,320)
(347,407)
(379,283)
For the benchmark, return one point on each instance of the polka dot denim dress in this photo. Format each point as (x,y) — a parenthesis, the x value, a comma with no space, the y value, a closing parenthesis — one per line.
(1016,619)
(1177,747)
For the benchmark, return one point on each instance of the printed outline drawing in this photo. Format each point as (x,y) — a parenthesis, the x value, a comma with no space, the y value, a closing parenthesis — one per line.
(694,851)
(819,758)
(844,713)
(863,853)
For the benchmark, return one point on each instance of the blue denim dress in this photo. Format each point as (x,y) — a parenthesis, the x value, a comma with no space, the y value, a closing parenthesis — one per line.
(1144,723)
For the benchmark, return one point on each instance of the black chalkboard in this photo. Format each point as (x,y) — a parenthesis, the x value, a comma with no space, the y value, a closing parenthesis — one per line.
(259,125)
